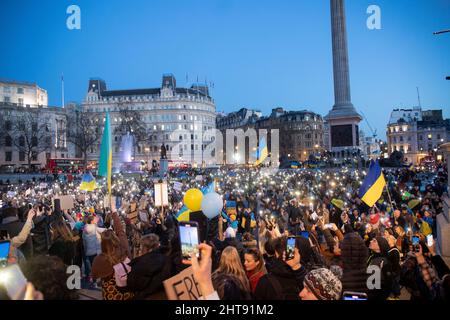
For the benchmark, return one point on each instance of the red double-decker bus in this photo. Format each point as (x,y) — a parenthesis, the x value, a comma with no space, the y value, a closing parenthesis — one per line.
(64,164)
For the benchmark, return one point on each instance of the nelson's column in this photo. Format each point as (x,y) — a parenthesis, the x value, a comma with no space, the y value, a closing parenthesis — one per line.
(343,119)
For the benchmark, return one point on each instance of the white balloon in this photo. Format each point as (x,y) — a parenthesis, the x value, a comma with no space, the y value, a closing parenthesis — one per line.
(212,204)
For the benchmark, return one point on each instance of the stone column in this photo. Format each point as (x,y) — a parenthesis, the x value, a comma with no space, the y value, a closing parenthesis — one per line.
(443,219)
(340,54)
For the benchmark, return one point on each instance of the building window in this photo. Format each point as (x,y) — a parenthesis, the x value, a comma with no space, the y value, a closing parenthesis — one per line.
(401,138)
(8,125)
(7,99)
(20,90)
(62,155)
(420,137)
(8,156)
(438,136)
(34,156)
(21,156)
(8,141)
(430,136)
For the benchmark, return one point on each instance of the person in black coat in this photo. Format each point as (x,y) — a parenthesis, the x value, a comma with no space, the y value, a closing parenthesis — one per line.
(149,270)
(354,254)
(284,279)
(41,231)
(379,258)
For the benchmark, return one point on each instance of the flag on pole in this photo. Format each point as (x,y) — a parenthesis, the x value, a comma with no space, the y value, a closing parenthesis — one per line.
(105,161)
(373,184)
(262,152)
(88,182)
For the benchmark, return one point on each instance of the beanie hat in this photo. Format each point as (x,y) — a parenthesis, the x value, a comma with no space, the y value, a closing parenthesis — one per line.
(374,218)
(323,284)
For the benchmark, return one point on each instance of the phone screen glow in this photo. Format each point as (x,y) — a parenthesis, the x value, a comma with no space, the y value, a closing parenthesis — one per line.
(189,240)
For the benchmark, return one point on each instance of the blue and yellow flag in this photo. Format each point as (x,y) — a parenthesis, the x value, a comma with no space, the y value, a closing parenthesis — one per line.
(209,188)
(105,161)
(183,214)
(373,184)
(88,182)
(262,153)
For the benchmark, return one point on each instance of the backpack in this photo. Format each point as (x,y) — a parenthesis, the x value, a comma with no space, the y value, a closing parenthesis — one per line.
(121,271)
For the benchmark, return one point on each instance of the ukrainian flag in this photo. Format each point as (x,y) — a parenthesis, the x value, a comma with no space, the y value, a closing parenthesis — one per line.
(262,153)
(88,182)
(373,184)
(105,161)
(183,214)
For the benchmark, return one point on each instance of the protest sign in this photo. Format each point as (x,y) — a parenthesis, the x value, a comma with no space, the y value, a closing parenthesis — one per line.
(199,178)
(66,202)
(43,185)
(182,286)
(178,186)
(11,194)
(161,195)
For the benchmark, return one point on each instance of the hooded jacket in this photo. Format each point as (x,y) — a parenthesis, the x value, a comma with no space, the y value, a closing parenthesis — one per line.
(354,255)
(91,239)
(282,278)
(148,273)
(381,260)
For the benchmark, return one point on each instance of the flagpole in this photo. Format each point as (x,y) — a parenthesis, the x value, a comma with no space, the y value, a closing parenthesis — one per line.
(387,190)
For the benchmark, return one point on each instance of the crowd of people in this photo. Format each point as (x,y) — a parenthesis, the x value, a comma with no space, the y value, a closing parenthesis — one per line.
(126,248)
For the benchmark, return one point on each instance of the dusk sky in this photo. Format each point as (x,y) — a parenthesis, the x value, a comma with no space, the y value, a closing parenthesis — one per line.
(259,54)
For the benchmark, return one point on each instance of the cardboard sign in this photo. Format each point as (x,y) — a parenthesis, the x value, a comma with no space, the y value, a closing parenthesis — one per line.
(178,186)
(182,286)
(66,202)
(161,195)
(106,201)
(43,185)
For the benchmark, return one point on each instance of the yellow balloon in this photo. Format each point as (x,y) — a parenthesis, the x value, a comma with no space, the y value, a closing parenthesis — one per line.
(193,199)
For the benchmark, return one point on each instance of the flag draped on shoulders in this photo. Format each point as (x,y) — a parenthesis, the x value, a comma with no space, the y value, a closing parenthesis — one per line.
(372,187)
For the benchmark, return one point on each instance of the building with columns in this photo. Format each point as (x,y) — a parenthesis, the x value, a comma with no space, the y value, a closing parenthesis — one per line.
(181,119)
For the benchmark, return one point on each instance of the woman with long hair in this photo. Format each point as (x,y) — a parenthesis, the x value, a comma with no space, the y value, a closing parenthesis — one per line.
(115,250)
(63,242)
(230,263)
(254,267)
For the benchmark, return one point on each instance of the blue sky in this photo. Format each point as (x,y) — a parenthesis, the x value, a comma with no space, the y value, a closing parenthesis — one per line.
(260,54)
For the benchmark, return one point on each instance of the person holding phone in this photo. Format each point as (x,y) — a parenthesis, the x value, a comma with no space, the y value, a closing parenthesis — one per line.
(14,227)
(149,270)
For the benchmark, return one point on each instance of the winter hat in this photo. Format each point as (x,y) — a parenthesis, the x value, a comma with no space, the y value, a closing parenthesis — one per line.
(323,284)
(374,218)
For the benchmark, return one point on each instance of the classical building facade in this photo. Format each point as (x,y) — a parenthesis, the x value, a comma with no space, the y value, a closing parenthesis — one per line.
(42,136)
(300,133)
(183,120)
(417,133)
(21,93)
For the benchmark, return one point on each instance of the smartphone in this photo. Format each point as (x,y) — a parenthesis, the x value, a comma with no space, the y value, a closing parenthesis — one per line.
(189,239)
(348,295)
(305,234)
(4,252)
(430,240)
(13,280)
(415,243)
(290,246)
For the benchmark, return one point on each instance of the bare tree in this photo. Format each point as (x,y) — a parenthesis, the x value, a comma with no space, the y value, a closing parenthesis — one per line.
(83,131)
(30,134)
